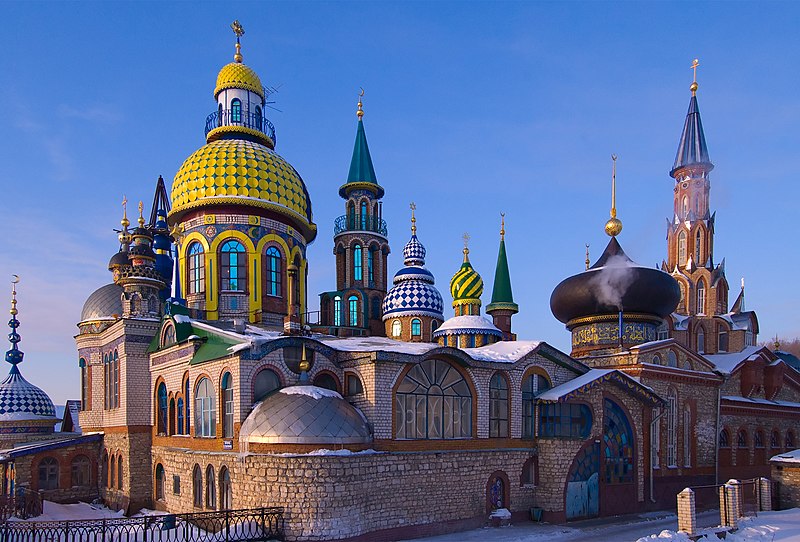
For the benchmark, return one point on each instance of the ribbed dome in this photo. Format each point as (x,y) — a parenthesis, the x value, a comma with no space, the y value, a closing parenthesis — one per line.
(22,401)
(240,172)
(615,283)
(237,75)
(305,415)
(413,293)
(466,283)
(103,304)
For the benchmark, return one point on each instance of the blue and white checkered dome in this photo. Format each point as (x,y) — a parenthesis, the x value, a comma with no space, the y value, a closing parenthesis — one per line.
(413,293)
(22,401)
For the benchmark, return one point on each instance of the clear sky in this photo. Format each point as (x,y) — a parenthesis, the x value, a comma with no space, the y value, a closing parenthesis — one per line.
(471,109)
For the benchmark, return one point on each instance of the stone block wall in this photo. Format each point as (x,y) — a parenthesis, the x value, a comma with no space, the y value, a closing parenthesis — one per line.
(787,479)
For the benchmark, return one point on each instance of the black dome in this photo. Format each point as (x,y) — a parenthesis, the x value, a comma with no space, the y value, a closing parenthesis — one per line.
(614,283)
(118,259)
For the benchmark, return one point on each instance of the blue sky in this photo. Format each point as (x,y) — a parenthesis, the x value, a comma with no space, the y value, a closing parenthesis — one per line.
(471,109)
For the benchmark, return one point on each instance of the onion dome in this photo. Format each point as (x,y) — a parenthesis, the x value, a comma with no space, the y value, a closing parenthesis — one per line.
(305,415)
(413,293)
(238,75)
(362,173)
(118,260)
(121,259)
(141,252)
(466,286)
(105,303)
(615,284)
(21,401)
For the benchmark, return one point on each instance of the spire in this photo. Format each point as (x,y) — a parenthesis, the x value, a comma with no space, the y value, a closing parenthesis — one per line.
(239,31)
(361,169)
(738,305)
(502,297)
(14,356)
(614,225)
(692,149)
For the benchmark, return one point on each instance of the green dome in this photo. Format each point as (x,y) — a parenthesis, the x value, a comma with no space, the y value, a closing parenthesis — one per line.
(466,284)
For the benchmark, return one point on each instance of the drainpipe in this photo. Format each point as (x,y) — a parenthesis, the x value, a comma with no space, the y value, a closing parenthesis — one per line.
(652,468)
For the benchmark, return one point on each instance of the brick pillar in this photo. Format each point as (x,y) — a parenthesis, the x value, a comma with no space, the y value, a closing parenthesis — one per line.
(733,495)
(687,520)
(765,495)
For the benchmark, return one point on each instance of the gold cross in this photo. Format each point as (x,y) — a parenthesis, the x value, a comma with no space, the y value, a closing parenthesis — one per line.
(236,26)
(694,65)
(124,206)
(466,239)
(413,207)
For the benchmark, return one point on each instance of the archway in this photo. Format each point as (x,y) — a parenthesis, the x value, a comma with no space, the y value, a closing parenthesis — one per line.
(583,492)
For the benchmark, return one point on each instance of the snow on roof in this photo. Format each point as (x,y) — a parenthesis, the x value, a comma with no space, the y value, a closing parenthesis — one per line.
(467,322)
(503,351)
(728,362)
(326,452)
(788,457)
(554,394)
(370,344)
(754,401)
(652,344)
(311,391)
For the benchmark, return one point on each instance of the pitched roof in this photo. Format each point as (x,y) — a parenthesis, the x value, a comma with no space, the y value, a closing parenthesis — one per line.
(502,297)
(692,149)
(362,172)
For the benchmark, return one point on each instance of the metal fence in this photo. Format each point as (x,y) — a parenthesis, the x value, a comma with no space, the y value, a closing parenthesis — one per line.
(23,504)
(253,525)
(707,505)
(749,497)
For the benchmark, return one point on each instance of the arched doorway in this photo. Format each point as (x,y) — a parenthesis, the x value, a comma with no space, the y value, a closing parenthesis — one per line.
(619,472)
(583,492)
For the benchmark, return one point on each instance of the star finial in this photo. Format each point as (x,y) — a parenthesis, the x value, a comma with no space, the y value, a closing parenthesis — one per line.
(360,112)
(237,28)
(693,86)
(413,208)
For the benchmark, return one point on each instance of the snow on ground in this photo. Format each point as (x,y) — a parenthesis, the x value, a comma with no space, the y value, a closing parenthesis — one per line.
(67,512)
(767,527)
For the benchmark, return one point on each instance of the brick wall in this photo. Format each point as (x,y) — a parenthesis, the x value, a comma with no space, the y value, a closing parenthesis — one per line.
(787,478)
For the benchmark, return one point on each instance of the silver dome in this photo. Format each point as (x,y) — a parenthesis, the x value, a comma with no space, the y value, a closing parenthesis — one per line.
(105,303)
(305,415)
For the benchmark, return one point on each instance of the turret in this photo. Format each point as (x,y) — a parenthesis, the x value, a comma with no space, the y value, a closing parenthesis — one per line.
(502,307)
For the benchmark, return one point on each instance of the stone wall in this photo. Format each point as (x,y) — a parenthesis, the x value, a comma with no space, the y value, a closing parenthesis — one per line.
(787,478)
(26,471)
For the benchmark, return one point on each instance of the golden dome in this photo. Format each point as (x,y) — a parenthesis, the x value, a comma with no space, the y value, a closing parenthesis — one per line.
(240,172)
(237,75)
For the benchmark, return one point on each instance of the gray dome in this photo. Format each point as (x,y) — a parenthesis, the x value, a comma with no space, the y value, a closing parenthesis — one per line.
(105,303)
(22,401)
(305,415)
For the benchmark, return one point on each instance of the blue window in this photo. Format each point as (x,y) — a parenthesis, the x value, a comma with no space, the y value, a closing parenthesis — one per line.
(337,311)
(162,409)
(273,272)
(236,110)
(180,417)
(416,327)
(352,302)
(188,402)
(376,308)
(564,420)
(363,215)
(358,273)
(196,275)
(233,266)
(371,266)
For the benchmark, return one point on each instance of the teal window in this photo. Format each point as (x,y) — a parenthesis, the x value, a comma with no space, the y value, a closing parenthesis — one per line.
(371,267)
(259,120)
(416,327)
(564,420)
(532,386)
(196,273)
(205,409)
(274,269)
(358,273)
(352,303)
(337,311)
(363,215)
(236,110)
(233,266)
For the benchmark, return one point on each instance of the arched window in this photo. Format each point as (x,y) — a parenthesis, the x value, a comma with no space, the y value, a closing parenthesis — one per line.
(180,417)
(106,382)
(337,310)
(758,438)
(789,440)
(363,215)
(618,441)
(416,327)
(236,110)
(225,490)
(119,472)
(259,119)
(266,382)
(741,438)
(433,402)
(397,328)
(533,385)
(48,473)
(701,340)
(168,338)
(371,267)
(672,359)
(724,439)
(434,325)
(685,205)
(211,489)
(227,405)
(351,215)
(115,380)
(205,409)
(161,406)
(497,492)
(701,297)
(197,487)
(219,115)
(80,471)
(172,417)
(775,440)
(188,396)
(682,248)
(233,266)
(530,472)
(160,481)
(498,406)
(84,384)
(672,427)
(357,263)
(656,360)
(112,477)
(327,381)
(352,303)
(273,271)
(354,386)
(196,271)
(687,436)
(698,240)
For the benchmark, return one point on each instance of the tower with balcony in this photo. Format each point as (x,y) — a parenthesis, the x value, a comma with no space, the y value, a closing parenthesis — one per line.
(361,248)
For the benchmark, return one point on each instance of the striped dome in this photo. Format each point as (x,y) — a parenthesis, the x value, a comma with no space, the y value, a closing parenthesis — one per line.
(466,284)
(22,401)
(237,75)
(413,293)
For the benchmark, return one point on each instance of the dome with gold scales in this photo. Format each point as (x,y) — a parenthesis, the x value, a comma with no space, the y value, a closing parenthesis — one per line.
(238,165)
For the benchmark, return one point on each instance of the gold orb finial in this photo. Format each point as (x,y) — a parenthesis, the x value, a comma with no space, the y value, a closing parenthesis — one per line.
(141,217)
(614,225)
(466,239)
(502,226)
(14,281)
(304,363)
(693,86)
(125,222)
(237,28)
(360,112)
(413,208)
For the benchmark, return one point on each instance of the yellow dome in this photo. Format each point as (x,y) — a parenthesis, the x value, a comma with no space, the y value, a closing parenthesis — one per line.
(237,75)
(466,284)
(240,172)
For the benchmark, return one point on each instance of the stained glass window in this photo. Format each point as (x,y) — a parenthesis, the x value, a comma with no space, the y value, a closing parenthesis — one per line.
(273,271)
(497,493)
(433,402)
(618,440)
(498,406)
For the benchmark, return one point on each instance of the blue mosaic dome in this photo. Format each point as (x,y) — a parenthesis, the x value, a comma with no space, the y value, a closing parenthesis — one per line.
(413,293)
(22,401)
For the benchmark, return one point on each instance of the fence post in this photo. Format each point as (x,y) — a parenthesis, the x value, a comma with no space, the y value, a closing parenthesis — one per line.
(687,521)
(765,495)
(735,497)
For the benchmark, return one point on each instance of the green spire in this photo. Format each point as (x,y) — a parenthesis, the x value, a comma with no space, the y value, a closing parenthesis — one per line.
(362,173)
(502,298)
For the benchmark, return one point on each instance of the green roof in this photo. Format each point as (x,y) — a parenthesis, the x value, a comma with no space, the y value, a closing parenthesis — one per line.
(213,345)
(502,298)
(361,168)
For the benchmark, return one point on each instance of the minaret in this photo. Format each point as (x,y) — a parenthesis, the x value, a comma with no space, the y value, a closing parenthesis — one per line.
(162,241)
(361,248)
(502,307)
(140,280)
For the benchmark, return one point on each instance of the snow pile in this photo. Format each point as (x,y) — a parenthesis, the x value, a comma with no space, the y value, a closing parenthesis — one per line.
(788,457)
(326,452)
(501,513)
(767,527)
(311,391)
(69,512)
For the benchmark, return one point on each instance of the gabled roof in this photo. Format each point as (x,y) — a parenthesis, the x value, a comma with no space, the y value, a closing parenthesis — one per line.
(594,377)
(728,363)
(673,344)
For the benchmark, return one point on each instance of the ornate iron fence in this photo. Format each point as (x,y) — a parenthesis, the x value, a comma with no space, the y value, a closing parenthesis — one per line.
(253,525)
(359,222)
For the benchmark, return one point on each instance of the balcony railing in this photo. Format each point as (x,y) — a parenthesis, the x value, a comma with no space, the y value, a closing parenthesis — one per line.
(358,222)
(229,117)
